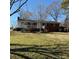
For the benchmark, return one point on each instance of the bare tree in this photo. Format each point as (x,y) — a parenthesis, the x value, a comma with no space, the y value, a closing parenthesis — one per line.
(65,6)
(49,9)
(25,14)
(13,2)
(56,11)
(41,15)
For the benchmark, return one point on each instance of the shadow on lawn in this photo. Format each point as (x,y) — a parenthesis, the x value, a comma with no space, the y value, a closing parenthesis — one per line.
(52,53)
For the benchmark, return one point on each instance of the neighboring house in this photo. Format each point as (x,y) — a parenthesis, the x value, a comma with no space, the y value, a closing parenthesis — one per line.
(33,25)
(11,28)
(64,27)
(66,24)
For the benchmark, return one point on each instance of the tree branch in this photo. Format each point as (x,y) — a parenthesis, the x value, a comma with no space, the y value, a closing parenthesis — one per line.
(12,3)
(18,9)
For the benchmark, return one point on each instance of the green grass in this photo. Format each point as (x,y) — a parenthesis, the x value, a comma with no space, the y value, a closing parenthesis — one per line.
(39,45)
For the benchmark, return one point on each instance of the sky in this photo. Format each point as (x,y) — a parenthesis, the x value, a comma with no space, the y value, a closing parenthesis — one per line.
(31,5)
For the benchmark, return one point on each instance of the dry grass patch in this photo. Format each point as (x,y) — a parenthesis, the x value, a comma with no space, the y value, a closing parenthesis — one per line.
(40,45)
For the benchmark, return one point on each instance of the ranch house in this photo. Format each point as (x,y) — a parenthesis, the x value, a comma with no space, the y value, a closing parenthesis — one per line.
(35,25)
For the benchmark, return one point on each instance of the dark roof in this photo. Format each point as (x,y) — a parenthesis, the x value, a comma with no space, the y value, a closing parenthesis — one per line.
(42,21)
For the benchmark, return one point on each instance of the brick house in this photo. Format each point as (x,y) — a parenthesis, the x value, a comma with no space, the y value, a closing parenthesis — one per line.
(34,25)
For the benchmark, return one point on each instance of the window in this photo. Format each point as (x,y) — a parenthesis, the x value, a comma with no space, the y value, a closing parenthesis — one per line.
(34,23)
(28,23)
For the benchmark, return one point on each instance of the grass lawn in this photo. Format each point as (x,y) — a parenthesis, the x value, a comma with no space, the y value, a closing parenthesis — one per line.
(52,45)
